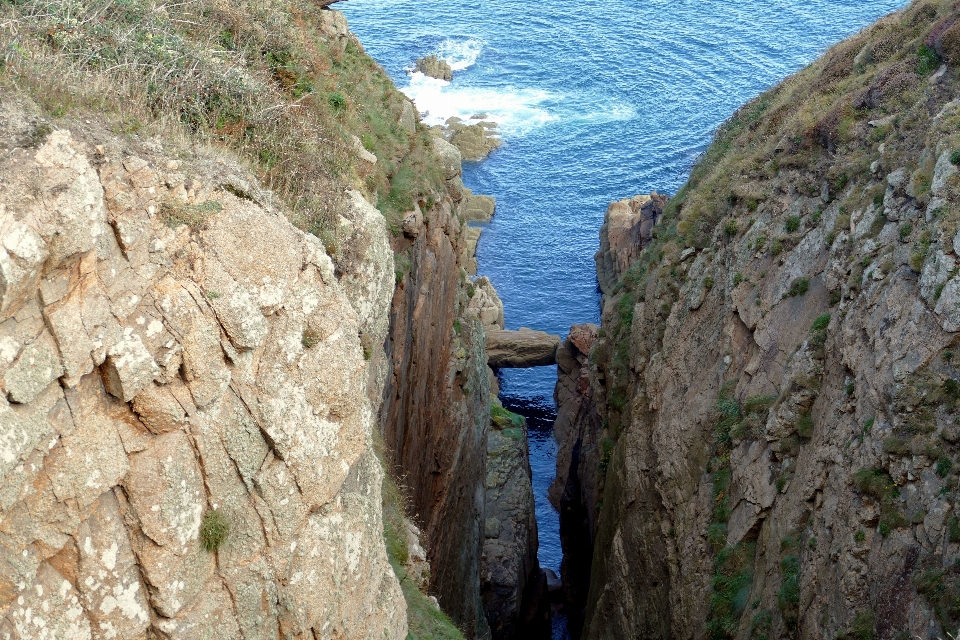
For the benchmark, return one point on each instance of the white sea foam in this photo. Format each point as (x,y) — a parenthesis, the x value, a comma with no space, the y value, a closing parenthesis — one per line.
(517,111)
(460,54)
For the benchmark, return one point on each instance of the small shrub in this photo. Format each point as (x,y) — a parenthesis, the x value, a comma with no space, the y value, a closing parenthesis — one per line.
(213,530)
(310,338)
(708,283)
(862,628)
(821,323)
(737,278)
(840,182)
(905,230)
(943,467)
(953,529)
(776,248)
(850,388)
(730,229)
(805,425)
(788,597)
(337,102)
(793,223)
(457,328)
(175,214)
(798,287)
(860,536)
(955,157)
(927,60)
(818,331)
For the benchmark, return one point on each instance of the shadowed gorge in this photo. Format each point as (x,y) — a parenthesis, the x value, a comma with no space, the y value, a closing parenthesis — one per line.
(519,335)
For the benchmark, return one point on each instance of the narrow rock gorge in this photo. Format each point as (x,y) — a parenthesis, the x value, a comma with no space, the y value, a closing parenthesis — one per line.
(759,441)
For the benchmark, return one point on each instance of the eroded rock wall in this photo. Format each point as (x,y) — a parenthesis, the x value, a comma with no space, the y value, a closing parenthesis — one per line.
(170,351)
(512,584)
(436,408)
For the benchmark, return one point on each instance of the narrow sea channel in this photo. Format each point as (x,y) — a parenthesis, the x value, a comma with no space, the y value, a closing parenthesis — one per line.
(597,100)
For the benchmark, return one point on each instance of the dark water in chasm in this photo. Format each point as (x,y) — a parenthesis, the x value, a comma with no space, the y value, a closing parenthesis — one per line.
(597,100)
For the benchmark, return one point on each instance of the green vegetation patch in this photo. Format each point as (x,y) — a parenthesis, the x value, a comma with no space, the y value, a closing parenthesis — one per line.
(877,484)
(214,530)
(263,78)
(732,581)
(504,419)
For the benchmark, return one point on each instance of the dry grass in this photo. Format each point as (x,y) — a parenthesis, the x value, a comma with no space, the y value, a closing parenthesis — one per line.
(816,122)
(269,79)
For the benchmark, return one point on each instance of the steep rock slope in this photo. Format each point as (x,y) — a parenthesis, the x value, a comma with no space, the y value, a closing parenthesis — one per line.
(775,374)
(152,95)
(167,383)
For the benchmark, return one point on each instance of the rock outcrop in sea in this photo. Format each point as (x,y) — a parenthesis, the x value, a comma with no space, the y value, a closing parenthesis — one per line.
(434,67)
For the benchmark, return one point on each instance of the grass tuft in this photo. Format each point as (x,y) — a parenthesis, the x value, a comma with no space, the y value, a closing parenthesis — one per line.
(214,530)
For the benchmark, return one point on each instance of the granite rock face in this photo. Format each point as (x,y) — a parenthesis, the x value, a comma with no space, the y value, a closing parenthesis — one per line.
(434,67)
(154,373)
(436,408)
(627,229)
(485,304)
(514,605)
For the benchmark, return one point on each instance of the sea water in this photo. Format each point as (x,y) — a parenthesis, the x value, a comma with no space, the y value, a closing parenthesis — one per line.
(596,101)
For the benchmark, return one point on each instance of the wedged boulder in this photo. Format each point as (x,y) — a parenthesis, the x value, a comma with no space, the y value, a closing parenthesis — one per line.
(522,348)
(509,566)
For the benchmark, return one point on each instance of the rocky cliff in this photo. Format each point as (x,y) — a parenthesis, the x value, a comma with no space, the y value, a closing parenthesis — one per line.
(775,376)
(231,294)
(436,409)
(186,431)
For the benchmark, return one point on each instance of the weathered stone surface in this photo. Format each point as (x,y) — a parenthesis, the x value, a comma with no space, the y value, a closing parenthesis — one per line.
(91,459)
(129,367)
(521,348)
(449,158)
(627,228)
(478,208)
(22,254)
(198,371)
(486,304)
(434,67)
(473,141)
(48,609)
(37,367)
(106,574)
(436,412)
(510,530)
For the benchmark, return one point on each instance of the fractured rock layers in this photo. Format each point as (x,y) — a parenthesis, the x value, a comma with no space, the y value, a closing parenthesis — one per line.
(187,385)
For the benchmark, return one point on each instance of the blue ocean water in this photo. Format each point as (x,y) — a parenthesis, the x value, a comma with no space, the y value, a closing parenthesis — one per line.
(597,100)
